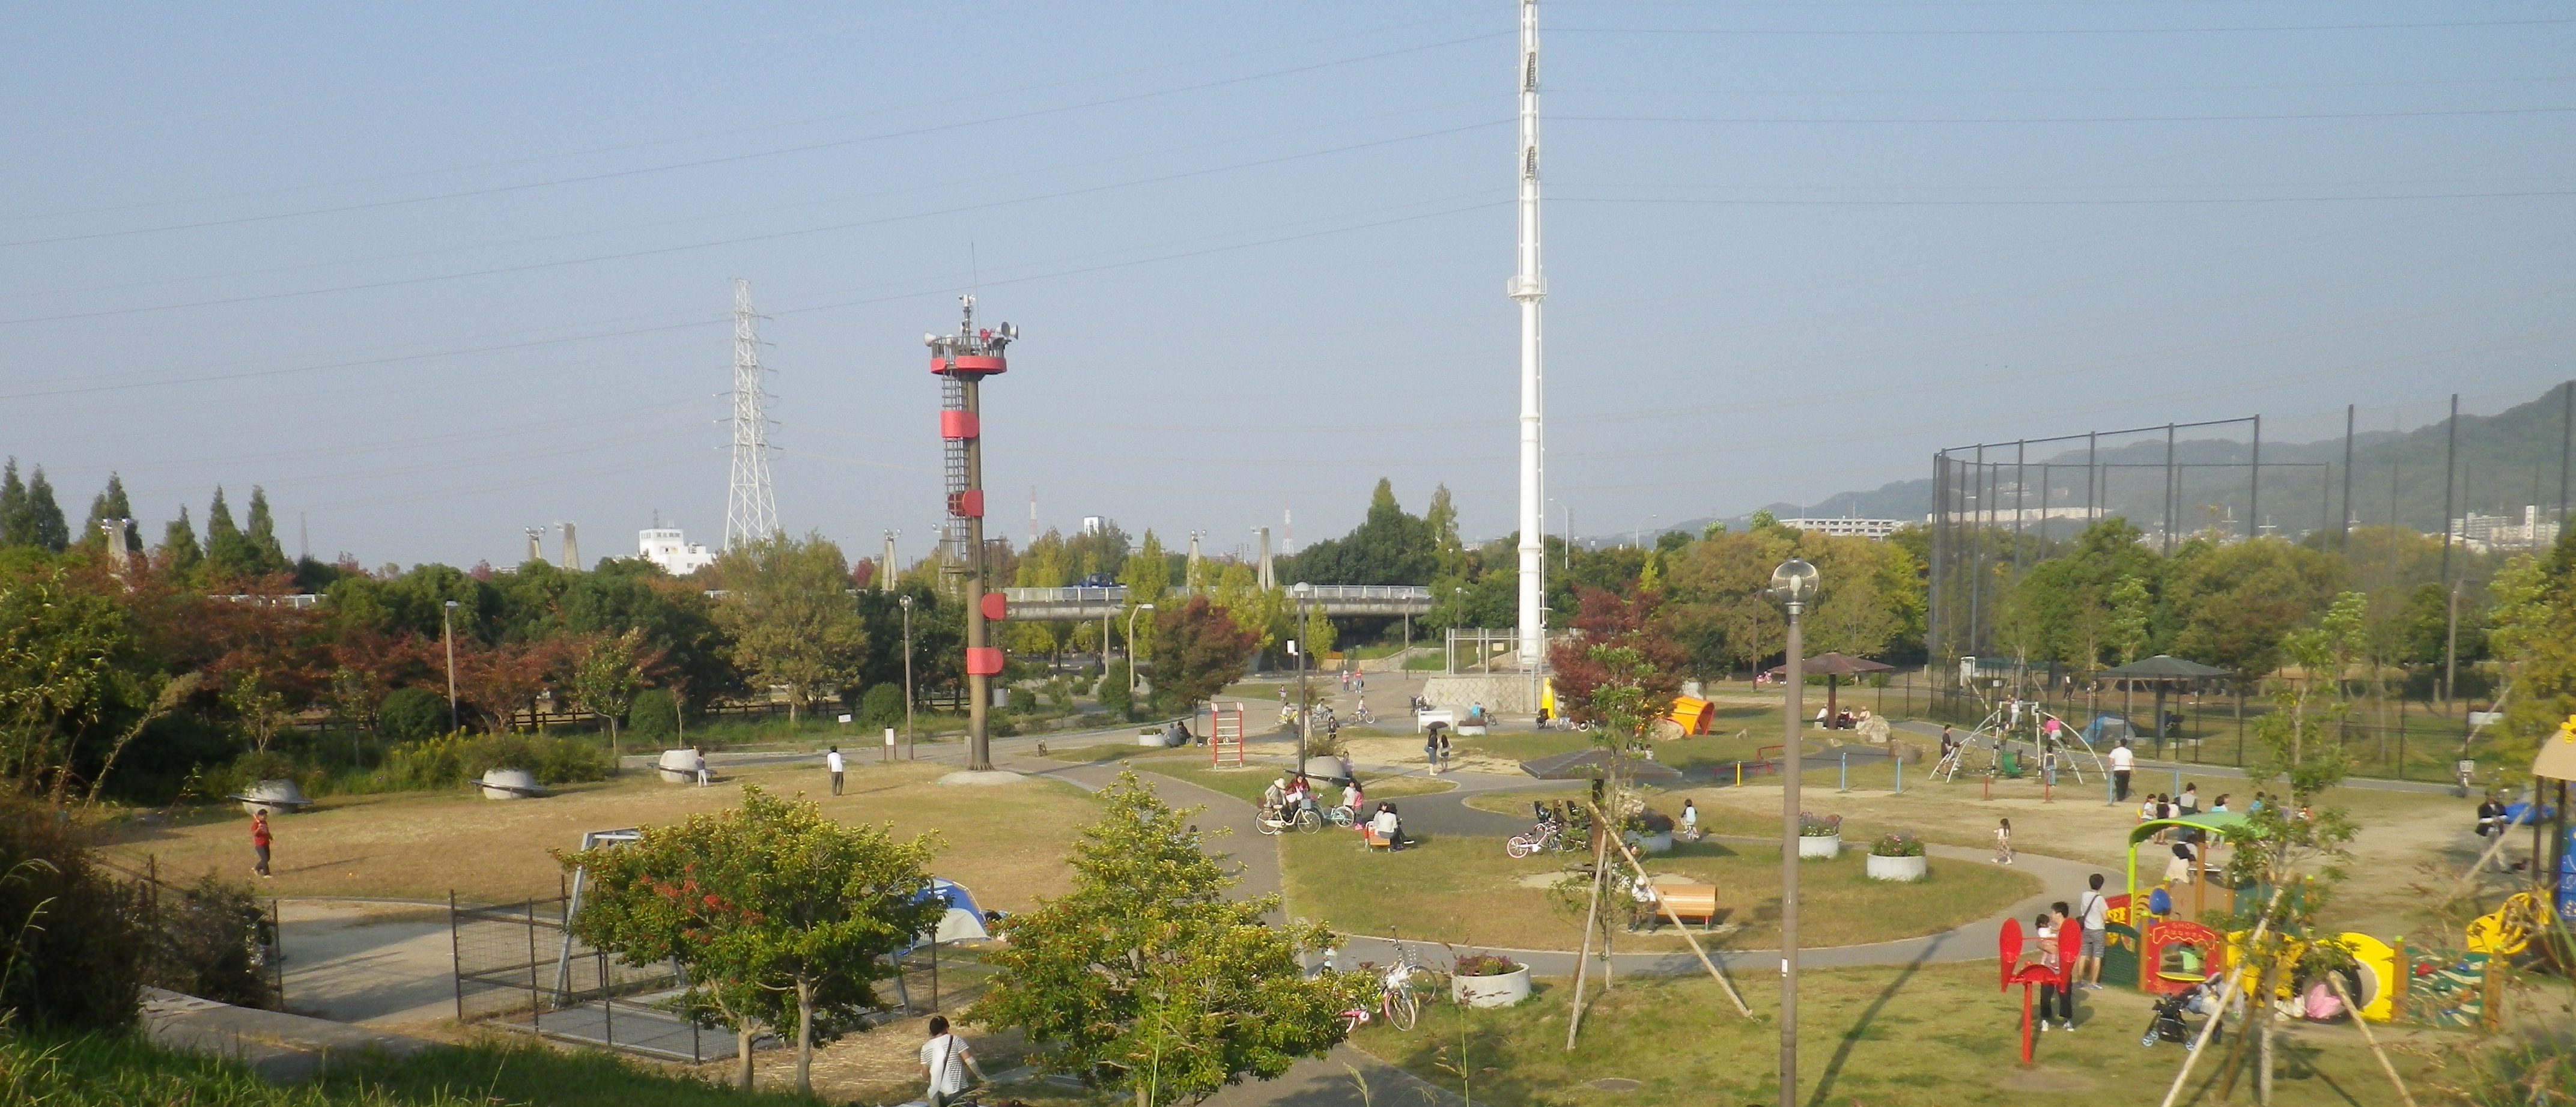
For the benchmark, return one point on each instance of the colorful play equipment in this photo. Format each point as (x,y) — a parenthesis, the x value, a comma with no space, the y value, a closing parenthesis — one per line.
(1692,714)
(1225,735)
(2015,737)
(2008,948)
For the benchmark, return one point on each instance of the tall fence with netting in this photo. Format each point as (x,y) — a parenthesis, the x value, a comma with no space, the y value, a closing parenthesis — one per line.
(518,968)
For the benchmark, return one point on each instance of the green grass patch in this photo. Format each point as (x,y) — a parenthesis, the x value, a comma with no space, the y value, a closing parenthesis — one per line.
(79,1072)
(1105,751)
(1937,1036)
(1467,891)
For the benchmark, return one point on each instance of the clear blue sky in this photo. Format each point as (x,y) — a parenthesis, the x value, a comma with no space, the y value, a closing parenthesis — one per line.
(436,273)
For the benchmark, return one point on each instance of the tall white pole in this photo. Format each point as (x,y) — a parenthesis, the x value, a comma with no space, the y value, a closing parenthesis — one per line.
(1528,288)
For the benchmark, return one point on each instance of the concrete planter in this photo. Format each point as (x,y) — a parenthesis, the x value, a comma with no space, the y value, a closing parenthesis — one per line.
(277,797)
(1825,848)
(1491,991)
(1899,868)
(678,766)
(1650,843)
(510,784)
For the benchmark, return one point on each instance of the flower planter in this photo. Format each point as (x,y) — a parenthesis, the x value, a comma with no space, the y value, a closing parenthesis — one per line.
(1660,842)
(1899,868)
(1491,991)
(1827,847)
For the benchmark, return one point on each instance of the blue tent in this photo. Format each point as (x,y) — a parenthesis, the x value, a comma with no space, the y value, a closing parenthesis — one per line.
(963,921)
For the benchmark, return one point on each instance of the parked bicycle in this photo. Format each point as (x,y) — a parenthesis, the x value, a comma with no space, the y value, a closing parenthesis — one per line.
(1396,1001)
(1275,821)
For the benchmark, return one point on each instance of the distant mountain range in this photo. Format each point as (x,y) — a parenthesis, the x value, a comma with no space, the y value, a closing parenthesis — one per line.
(2506,460)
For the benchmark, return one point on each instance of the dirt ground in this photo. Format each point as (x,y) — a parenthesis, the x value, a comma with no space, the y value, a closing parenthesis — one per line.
(1006,842)
(2408,842)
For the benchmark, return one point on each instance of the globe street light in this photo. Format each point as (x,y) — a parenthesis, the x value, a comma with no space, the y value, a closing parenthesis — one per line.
(1793,585)
(1131,648)
(447,631)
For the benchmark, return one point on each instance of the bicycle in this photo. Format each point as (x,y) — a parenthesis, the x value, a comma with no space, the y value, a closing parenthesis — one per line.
(1274,822)
(1343,815)
(1395,998)
(1548,834)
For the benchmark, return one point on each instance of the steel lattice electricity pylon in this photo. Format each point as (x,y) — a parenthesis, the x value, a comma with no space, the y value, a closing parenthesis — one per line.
(751,513)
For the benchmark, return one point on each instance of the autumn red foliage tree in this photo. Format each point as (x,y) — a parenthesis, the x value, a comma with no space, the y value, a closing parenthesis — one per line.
(1629,621)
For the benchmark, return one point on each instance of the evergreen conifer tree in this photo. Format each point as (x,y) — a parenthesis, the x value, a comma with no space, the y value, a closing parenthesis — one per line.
(110,505)
(179,552)
(263,535)
(228,550)
(13,509)
(46,529)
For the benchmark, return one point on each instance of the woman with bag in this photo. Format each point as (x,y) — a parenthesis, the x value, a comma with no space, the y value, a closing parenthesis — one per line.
(946,1059)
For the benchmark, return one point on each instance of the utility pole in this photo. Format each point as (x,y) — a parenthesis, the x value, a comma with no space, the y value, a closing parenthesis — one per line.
(1527,288)
(906,601)
(2450,460)
(1792,584)
(447,631)
(2343,530)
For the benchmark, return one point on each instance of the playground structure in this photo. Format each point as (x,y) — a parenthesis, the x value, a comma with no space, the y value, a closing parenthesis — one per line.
(1224,732)
(2017,736)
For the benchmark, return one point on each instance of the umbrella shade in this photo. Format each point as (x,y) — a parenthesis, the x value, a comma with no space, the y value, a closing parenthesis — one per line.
(2162,667)
(1836,665)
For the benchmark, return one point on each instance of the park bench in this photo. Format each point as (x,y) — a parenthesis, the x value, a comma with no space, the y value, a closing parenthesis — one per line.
(1423,719)
(1369,838)
(1688,901)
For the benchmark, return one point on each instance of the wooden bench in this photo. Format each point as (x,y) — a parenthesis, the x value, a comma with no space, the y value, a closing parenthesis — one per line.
(1687,901)
(1369,838)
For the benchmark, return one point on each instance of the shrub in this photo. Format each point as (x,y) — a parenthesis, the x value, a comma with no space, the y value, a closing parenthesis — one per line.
(1819,826)
(1022,701)
(452,760)
(207,941)
(1484,964)
(1898,844)
(412,714)
(881,706)
(654,714)
(70,952)
(1113,695)
(1651,821)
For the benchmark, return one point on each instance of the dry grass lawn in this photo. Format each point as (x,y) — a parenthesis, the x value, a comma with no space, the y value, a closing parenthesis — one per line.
(1006,842)
(1466,891)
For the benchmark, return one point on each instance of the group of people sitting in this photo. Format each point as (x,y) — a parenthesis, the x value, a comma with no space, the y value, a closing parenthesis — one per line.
(1289,796)
(1841,720)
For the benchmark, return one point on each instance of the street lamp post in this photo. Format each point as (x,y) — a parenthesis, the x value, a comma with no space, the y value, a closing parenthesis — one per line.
(1131,648)
(906,601)
(447,632)
(1793,584)
(1305,708)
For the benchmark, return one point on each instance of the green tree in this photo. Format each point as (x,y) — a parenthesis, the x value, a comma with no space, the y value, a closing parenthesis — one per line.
(15,527)
(261,531)
(1203,650)
(109,505)
(2234,604)
(1148,577)
(608,675)
(2132,615)
(784,919)
(1317,635)
(1147,980)
(229,553)
(2534,636)
(1388,547)
(69,672)
(45,528)
(791,615)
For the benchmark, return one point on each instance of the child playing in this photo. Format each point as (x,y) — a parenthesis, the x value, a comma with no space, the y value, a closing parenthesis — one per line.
(1690,821)
(2003,842)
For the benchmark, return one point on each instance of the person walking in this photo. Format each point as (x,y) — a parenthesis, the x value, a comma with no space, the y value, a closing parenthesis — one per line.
(1444,751)
(945,1061)
(259,842)
(2094,911)
(701,757)
(2003,842)
(832,761)
(2123,762)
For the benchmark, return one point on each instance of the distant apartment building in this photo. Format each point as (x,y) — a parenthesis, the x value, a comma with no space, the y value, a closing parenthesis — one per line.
(2504,532)
(1876,529)
(668,548)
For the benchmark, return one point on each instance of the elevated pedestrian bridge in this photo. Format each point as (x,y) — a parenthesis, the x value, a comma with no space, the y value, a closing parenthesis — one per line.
(1332,599)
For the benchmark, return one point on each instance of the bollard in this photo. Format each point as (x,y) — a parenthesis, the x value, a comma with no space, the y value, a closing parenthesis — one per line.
(1739,774)
(1843,783)
(1990,787)
(1900,775)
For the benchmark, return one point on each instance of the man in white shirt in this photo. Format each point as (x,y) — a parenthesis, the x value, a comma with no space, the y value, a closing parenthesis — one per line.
(832,761)
(946,1060)
(2095,913)
(2122,762)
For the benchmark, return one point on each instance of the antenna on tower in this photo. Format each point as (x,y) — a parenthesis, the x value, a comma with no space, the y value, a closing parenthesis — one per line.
(751,513)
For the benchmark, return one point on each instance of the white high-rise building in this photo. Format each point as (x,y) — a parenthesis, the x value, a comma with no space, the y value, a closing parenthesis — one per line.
(668,548)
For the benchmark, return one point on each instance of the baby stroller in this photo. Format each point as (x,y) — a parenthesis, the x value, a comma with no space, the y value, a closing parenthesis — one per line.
(2168,1024)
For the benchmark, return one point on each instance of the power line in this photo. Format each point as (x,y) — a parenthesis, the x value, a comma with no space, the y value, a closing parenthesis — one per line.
(1930,119)
(2107,202)
(1876,32)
